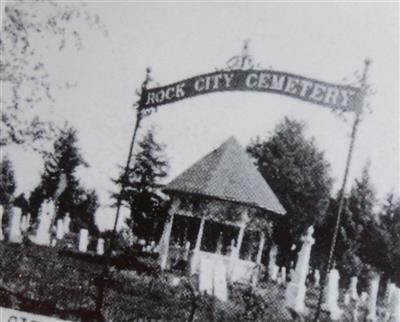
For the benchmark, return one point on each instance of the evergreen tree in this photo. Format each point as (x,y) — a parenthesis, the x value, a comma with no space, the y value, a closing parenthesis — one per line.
(348,243)
(142,192)
(362,203)
(390,227)
(63,161)
(362,199)
(7,182)
(359,234)
(298,174)
(7,188)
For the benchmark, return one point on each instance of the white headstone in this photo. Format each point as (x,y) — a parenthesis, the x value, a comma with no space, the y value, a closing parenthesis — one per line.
(272,268)
(394,306)
(283,275)
(83,240)
(317,278)
(279,277)
(42,236)
(186,252)
(67,223)
(274,272)
(389,290)
(15,229)
(346,299)
(332,296)
(296,290)
(206,276)
(355,310)
(100,246)
(391,287)
(364,296)
(175,281)
(153,246)
(232,262)
(25,222)
(373,296)
(291,274)
(28,220)
(1,222)
(220,284)
(353,288)
(60,229)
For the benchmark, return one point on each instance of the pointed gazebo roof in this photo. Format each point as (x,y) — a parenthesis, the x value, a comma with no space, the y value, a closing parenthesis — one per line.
(227,173)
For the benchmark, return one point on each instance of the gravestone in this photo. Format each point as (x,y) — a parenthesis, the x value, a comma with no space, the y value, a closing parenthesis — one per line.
(394,306)
(25,222)
(274,273)
(283,276)
(175,281)
(272,267)
(279,276)
(60,229)
(317,278)
(389,290)
(186,251)
(23,225)
(1,222)
(206,276)
(154,246)
(291,274)
(373,296)
(346,298)
(353,288)
(388,298)
(100,246)
(363,297)
(46,213)
(15,227)
(67,223)
(332,296)
(83,240)
(355,309)
(220,289)
(296,290)
(232,262)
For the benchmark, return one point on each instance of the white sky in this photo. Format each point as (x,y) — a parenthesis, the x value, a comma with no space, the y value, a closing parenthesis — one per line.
(325,41)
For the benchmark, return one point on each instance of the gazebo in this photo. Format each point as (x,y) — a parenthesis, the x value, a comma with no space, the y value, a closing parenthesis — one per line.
(221,209)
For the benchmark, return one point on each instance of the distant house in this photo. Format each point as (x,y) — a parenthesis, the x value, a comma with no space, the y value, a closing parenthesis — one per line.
(221,210)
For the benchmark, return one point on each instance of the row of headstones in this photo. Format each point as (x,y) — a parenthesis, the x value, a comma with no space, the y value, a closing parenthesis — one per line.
(19,225)
(296,289)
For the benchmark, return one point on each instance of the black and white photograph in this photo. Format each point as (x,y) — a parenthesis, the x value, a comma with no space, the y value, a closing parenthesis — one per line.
(199,161)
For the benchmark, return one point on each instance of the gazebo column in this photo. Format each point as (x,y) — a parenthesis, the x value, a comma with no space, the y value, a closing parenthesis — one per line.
(260,248)
(164,242)
(195,256)
(240,240)
(163,246)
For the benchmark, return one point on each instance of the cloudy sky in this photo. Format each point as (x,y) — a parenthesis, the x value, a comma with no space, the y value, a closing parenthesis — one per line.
(325,41)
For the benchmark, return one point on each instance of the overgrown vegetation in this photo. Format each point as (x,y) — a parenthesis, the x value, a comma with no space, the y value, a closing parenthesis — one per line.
(46,281)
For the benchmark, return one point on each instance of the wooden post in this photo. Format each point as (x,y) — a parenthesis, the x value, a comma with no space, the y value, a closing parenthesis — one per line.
(260,247)
(240,240)
(193,262)
(164,242)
